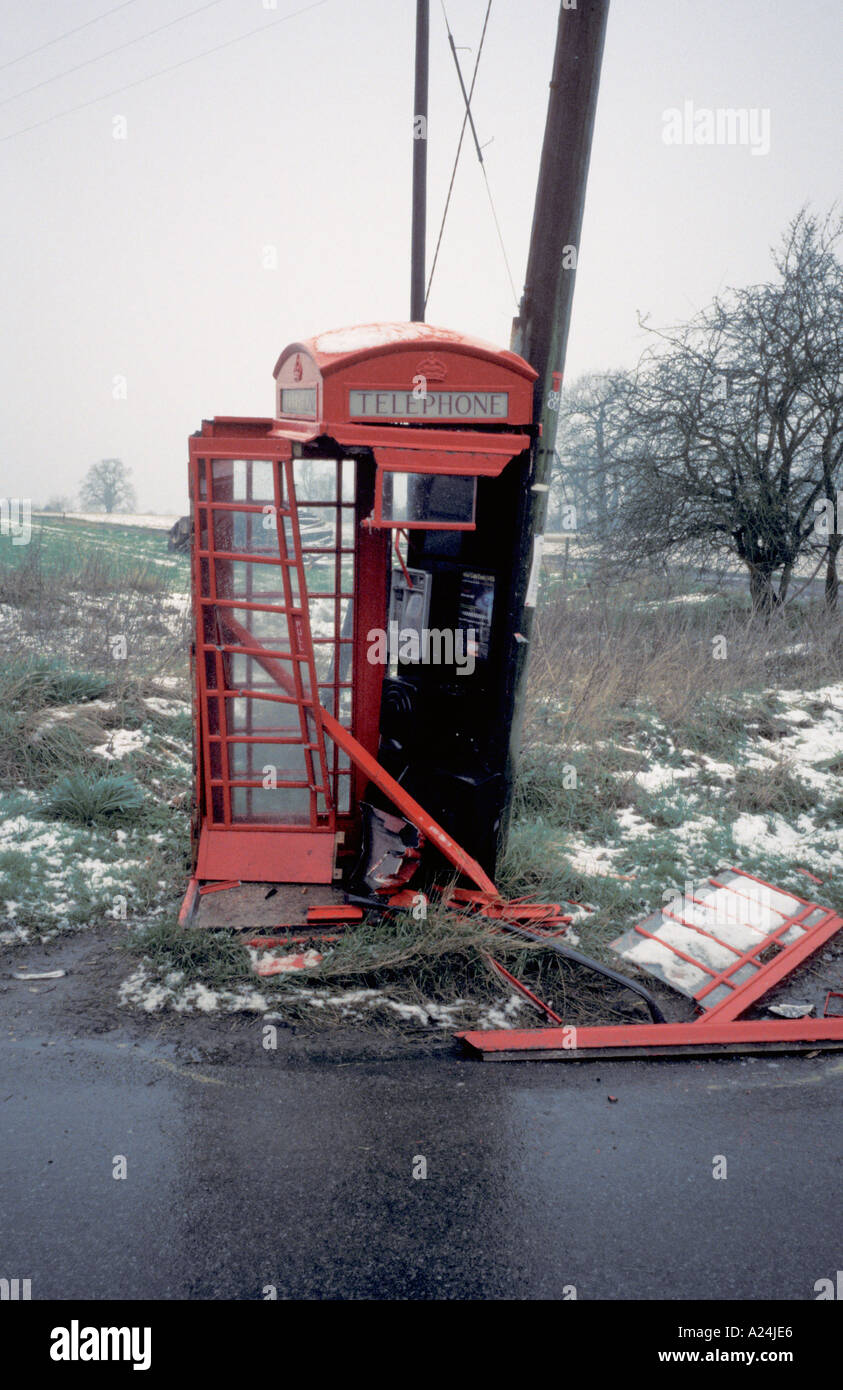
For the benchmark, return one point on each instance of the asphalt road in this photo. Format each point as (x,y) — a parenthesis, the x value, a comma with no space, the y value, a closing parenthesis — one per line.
(299,1175)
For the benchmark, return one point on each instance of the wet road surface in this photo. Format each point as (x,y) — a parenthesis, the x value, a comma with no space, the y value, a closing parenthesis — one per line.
(295,1175)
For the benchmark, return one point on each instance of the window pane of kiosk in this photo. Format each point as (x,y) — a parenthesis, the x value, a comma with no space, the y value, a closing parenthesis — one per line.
(252,533)
(252,581)
(315,479)
(325,494)
(268,629)
(243,480)
(286,805)
(318,527)
(262,717)
(428,498)
(251,760)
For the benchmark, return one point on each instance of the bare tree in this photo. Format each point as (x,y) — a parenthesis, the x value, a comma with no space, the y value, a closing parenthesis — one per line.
(107,487)
(594,422)
(736,440)
(59,502)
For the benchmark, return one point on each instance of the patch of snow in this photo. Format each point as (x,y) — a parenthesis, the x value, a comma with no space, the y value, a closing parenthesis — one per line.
(120,742)
(633,826)
(148,520)
(659,775)
(591,860)
(167,708)
(725,770)
(144,992)
(753,832)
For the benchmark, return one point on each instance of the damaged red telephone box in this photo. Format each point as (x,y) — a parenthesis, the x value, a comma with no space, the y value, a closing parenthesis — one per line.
(355,600)
(357,597)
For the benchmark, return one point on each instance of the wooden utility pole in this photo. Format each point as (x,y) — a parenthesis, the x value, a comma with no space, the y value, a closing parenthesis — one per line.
(540,333)
(417,268)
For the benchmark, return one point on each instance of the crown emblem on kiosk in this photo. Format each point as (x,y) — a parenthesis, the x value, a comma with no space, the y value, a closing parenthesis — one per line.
(432,368)
(298,371)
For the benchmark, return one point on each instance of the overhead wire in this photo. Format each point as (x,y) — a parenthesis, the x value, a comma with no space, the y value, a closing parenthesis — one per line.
(459,151)
(119,48)
(161,72)
(469,118)
(66,35)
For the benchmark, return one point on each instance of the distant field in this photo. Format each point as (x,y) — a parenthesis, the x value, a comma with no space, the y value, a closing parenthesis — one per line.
(121,538)
(77,585)
(145,520)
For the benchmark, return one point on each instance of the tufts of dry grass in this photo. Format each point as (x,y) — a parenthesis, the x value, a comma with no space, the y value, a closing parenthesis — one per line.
(595,656)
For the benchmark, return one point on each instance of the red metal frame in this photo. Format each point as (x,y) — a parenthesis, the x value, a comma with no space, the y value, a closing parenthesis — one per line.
(765,975)
(220,637)
(570,1042)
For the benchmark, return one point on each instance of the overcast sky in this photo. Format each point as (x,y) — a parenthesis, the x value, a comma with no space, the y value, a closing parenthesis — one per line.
(145,257)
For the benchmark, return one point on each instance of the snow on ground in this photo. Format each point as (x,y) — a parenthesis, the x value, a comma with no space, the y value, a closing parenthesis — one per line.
(55,876)
(672,602)
(817,737)
(167,708)
(148,520)
(773,835)
(146,991)
(687,812)
(658,776)
(150,994)
(591,860)
(631,825)
(120,742)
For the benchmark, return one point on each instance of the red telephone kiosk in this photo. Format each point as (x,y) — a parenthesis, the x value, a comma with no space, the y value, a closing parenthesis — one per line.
(354,576)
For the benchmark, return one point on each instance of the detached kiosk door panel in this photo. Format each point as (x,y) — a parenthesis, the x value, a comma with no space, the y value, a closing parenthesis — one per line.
(266,793)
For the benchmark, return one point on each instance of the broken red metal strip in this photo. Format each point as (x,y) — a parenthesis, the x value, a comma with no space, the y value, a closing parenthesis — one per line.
(521,987)
(335,912)
(189,902)
(220,887)
(570,1041)
(399,532)
(496,908)
(415,813)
